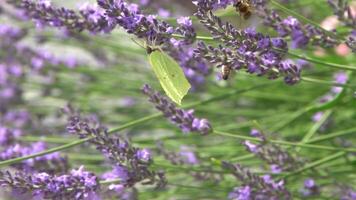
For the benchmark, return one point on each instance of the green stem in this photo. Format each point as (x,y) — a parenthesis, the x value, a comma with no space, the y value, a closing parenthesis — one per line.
(125,126)
(278,126)
(54,140)
(315,128)
(329,83)
(333,135)
(241,158)
(315,140)
(186,168)
(335,101)
(311,146)
(322,63)
(316,163)
(78,142)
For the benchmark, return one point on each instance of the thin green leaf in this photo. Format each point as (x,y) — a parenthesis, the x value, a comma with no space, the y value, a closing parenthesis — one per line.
(170,75)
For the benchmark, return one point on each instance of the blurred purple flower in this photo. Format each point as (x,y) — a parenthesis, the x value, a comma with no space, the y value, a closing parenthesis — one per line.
(340,78)
(278,158)
(119,151)
(163,13)
(317,116)
(301,34)
(48,163)
(255,187)
(189,157)
(79,184)
(144,155)
(310,188)
(241,193)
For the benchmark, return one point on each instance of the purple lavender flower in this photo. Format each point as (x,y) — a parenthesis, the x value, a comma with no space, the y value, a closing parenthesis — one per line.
(278,159)
(7,136)
(241,193)
(79,184)
(348,194)
(251,147)
(213,5)
(195,69)
(340,78)
(255,187)
(189,157)
(301,35)
(128,16)
(44,13)
(15,60)
(143,155)
(48,163)
(136,162)
(317,116)
(186,156)
(185,120)
(249,50)
(127,102)
(310,188)
(157,33)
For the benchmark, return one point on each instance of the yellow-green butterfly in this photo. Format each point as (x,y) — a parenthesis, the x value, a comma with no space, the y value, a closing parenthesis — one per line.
(169,74)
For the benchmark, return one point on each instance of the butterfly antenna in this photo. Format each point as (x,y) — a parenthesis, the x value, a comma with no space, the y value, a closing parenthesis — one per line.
(139,44)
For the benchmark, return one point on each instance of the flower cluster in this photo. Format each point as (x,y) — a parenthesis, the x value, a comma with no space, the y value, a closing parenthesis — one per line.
(15,60)
(159,33)
(49,163)
(185,120)
(131,165)
(195,69)
(112,13)
(184,157)
(44,13)
(347,193)
(213,5)
(129,17)
(255,187)
(159,7)
(79,184)
(310,188)
(8,136)
(188,157)
(249,50)
(300,34)
(278,159)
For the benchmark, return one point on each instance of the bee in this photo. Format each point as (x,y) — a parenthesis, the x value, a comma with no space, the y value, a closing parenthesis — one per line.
(244,7)
(225,72)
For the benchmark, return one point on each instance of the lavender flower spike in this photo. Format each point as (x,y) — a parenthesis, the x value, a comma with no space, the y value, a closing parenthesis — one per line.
(278,158)
(256,187)
(184,119)
(130,164)
(79,184)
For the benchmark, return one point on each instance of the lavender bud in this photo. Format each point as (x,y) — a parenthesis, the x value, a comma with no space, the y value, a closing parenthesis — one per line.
(185,120)
(255,187)
(79,184)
